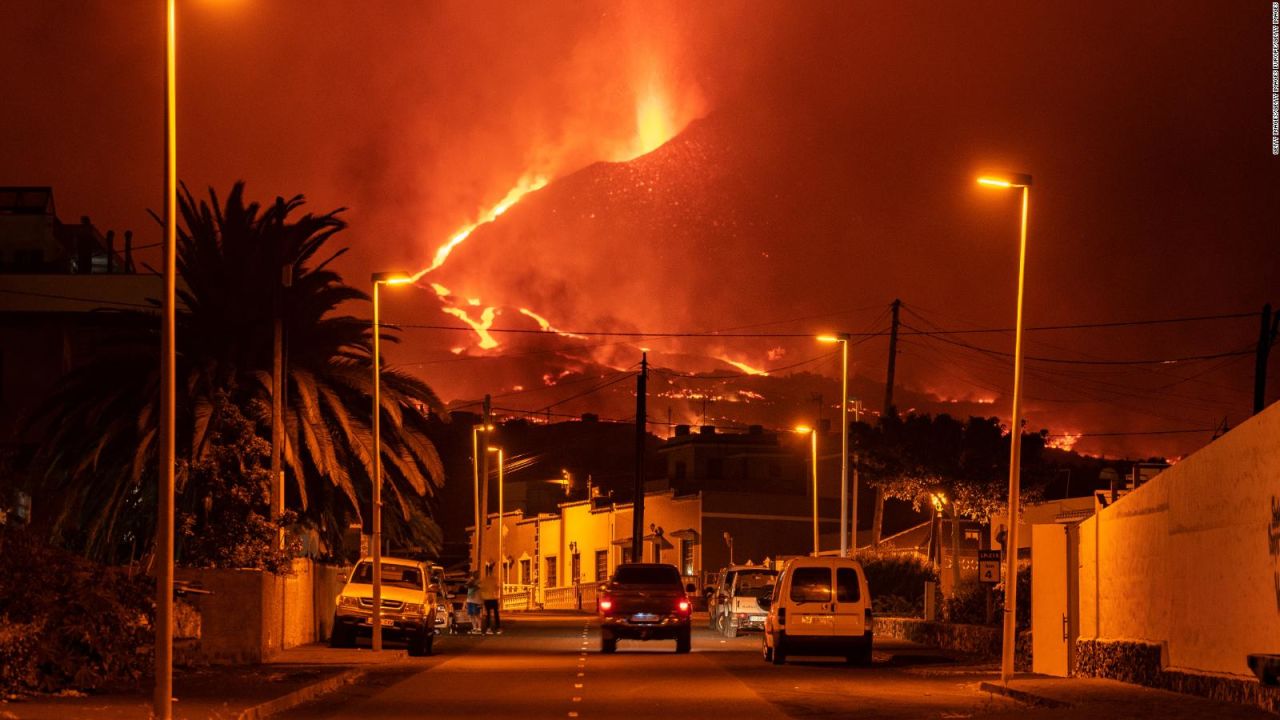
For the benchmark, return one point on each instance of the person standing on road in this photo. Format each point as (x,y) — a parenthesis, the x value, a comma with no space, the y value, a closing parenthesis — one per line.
(490,593)
(473,602)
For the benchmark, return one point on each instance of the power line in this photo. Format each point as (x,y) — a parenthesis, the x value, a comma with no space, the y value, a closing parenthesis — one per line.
(879,333)
(1078,361)
(73,298)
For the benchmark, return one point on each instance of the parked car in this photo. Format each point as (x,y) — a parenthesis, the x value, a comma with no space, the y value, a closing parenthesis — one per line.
(819,606)
(444,614)
(409,602)
(734,605)
(645,601)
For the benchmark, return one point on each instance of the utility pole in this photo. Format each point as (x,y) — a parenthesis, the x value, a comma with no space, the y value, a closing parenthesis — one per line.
(877,520)
(482,452)
(637,506)
(893,361)
(278,385)
(1266,338)
(853,530)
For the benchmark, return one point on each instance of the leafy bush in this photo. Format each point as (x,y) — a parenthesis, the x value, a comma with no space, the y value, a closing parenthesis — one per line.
(968,605)
(896,581)
(229,525)
(68,623)
(1024,596)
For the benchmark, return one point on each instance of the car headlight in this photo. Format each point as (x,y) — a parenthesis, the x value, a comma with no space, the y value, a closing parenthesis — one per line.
(347,601)
(414,608)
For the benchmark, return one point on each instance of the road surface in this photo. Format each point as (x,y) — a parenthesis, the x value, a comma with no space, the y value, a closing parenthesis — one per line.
(549,666)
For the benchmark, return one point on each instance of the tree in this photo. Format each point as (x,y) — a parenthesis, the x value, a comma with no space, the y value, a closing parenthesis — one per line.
(99,458)
(920,457)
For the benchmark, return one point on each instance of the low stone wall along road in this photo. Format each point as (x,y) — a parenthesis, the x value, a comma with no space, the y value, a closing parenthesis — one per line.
(550,666)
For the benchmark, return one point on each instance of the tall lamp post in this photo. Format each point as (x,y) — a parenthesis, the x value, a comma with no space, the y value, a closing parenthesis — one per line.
(379,279)
(502,563)
(162,698)
(843,339)
(813,460)
(1023,181)
(475,471)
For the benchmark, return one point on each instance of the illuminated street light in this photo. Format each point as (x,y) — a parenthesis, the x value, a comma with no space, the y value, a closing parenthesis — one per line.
(162,698)
(502,564)
(379,279)
(813,434)
(843,339)
(1015,433)
(475,471)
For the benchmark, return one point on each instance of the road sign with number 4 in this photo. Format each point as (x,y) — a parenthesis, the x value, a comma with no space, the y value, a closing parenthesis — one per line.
(989,566)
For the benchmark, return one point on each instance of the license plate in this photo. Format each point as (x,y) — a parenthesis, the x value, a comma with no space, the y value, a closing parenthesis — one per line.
(644,618)
(757,618)
(388,622)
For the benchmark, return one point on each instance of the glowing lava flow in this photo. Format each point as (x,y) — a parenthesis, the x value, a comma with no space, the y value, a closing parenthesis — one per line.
(744,367)
(524,186)
(546,324)
(655,125)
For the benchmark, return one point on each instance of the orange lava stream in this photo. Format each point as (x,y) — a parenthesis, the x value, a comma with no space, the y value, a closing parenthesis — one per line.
(743,367)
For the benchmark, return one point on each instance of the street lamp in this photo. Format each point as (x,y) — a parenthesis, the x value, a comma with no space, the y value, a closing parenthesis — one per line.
(1017,180)
(843,339)
(162,698)
(475,471)
(813,434)
(502,563)
(379,279)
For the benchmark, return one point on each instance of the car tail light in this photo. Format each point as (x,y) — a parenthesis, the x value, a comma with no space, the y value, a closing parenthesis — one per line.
(606,605)
(782,616)
(683,605)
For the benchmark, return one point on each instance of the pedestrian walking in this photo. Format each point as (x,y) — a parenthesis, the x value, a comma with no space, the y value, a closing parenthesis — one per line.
(474,602)
(490,595)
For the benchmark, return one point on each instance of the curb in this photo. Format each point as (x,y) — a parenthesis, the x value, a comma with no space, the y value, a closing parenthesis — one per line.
(1023,696)
(306,694)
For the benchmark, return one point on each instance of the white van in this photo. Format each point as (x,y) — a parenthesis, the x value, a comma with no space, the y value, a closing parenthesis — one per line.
(819,606)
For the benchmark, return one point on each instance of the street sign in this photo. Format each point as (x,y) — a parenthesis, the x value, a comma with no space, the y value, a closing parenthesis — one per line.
(989,566)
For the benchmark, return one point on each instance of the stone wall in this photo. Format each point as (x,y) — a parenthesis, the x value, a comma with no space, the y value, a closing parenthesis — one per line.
(979,640)
(1143,664)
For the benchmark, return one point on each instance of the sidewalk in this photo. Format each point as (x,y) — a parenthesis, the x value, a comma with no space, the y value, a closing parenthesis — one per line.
(1092,698)
(222,693)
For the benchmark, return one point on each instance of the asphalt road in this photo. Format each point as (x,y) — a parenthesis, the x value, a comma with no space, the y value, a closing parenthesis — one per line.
(549,666)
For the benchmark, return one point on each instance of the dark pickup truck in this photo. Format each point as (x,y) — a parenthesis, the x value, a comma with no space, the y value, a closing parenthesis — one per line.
(645,601)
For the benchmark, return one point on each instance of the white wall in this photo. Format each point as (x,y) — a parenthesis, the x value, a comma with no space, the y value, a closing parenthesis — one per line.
(1188,560)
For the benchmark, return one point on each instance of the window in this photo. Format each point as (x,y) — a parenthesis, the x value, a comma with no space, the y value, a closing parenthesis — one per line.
(754,583)
(686,557)
(402,576)
(647,575)
(553,580)
(575,568)
(811,585)
(626,554)
(847,585)
(602,565)
(525,569)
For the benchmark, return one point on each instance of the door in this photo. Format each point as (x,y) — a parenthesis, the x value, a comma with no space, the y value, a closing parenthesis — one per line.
(850,605)
(810,601)
(1050,620)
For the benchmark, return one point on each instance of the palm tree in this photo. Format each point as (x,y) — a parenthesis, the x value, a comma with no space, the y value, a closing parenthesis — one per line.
(100,454)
